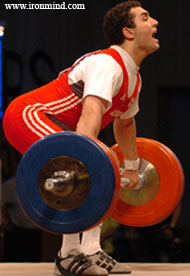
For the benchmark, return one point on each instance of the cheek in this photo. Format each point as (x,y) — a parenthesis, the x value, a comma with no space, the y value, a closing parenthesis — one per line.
(144,35)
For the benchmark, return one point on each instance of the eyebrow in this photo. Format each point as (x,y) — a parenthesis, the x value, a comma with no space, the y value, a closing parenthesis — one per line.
(145,13)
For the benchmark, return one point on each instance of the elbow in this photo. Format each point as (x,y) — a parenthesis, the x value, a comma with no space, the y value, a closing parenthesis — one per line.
(124,123)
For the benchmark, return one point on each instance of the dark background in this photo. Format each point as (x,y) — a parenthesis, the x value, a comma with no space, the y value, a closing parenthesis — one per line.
(39,43)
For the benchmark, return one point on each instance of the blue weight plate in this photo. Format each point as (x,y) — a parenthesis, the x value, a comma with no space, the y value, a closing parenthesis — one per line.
(102,182)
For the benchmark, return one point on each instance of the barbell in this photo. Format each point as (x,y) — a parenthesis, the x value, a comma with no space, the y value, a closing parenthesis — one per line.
(67,183)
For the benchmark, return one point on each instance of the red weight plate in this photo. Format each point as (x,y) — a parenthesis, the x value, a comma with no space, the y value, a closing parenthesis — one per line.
(170,190)
(115,199)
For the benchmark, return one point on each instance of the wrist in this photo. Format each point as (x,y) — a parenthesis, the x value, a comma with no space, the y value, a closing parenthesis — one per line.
(131,165)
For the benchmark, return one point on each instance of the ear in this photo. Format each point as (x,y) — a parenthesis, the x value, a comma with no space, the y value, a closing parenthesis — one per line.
(128,33)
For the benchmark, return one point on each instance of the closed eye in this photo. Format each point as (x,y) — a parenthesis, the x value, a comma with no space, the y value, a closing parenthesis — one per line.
(145,15)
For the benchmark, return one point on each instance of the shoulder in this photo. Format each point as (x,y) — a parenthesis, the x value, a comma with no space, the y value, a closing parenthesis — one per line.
(102,62)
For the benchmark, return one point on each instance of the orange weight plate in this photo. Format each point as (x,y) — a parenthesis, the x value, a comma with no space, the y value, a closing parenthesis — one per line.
(179,170)
(162,190)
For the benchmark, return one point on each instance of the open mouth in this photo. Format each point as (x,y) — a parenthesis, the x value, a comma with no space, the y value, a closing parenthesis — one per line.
(154,35)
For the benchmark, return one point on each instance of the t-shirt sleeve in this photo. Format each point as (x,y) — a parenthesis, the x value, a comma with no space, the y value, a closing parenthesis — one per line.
(102,77)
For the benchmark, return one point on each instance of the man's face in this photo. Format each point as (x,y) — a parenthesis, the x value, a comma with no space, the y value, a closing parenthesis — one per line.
(145,30)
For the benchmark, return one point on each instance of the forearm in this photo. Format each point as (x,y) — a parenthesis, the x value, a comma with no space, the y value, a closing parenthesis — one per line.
(125,135)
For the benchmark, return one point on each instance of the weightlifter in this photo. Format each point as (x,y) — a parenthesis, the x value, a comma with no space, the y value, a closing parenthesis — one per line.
(97,89)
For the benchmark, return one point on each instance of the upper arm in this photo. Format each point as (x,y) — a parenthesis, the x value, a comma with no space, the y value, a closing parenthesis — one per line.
(94,105)
(91,116)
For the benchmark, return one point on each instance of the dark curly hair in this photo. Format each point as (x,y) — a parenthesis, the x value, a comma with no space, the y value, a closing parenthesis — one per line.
(116,18)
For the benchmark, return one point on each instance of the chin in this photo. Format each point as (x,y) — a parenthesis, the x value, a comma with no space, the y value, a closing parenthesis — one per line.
(154,49)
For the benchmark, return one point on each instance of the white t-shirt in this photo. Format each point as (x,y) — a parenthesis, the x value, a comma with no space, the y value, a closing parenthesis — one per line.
(102,76)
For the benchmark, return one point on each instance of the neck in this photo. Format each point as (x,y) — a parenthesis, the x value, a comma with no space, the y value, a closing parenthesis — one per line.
(137,55)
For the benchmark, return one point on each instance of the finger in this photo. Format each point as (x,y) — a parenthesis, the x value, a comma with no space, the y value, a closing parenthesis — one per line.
(130,185)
